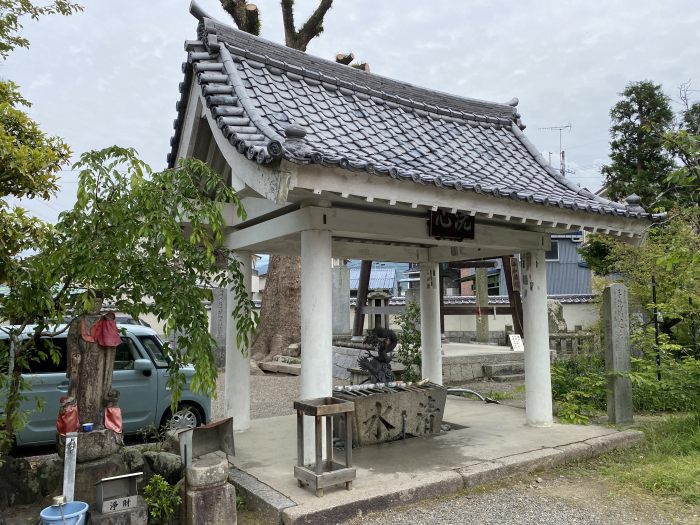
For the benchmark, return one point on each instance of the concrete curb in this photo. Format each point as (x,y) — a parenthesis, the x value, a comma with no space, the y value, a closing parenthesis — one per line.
(447,482)
(258,496)
(441,483)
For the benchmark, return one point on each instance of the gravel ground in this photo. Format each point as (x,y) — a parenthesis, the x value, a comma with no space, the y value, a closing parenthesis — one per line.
(552,501)
(270,395)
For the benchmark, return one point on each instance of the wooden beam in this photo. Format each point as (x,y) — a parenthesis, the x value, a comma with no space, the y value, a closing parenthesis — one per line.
(513,295)
(473,264)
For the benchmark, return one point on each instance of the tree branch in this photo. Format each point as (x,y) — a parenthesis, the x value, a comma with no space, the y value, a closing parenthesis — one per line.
(236,8)
(314,25)
(290,32)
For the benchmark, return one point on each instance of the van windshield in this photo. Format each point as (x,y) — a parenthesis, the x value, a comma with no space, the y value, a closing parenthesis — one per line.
(155,349)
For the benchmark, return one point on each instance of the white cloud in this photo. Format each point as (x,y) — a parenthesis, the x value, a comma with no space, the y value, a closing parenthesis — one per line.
(110,75)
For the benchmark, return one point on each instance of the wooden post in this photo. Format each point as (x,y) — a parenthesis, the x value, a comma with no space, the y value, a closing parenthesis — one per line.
(514,299)
(482,300)
(362,287)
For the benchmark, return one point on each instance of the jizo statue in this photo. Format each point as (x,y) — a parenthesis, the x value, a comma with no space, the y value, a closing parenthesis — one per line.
(92,342)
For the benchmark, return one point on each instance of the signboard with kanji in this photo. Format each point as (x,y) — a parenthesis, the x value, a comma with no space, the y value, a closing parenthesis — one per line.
(445,225)
(118,493)
(119,504)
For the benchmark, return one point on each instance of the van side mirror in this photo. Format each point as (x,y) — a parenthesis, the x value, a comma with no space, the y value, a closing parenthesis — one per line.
(144,365)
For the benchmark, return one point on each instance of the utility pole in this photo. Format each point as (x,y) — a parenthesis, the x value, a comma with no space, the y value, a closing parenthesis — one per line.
(562,158)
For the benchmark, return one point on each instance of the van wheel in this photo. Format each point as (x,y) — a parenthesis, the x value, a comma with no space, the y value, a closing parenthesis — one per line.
(187,416)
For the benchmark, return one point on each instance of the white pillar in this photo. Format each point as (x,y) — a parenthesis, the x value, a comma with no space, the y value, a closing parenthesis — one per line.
(316,325)
(237,368)
(538,381)
(431,338)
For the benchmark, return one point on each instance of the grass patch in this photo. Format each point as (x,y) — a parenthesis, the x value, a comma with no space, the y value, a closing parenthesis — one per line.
(666,463)
(499,395)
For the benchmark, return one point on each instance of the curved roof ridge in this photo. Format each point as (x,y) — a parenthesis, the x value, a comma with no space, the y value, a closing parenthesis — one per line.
(276,55)
(239,89)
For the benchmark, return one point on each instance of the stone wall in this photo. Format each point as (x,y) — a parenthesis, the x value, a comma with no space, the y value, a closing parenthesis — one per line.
(343,359)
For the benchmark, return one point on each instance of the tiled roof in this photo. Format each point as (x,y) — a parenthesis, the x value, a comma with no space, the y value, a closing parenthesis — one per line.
(495,300)
(273,102)
(379,278)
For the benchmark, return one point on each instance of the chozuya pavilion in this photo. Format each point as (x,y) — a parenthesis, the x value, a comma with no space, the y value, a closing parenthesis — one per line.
(333,162)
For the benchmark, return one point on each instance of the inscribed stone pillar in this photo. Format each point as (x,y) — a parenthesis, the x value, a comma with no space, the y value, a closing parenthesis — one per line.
(431,338)
(617,353)
(237,366)
(341,300)
(482,299)
(316,325)
(217,324)
(538,381)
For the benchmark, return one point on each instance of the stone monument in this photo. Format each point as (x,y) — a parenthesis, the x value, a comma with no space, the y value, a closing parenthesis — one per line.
(617,353)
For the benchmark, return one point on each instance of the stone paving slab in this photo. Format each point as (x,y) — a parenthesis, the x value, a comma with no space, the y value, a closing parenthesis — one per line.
(488,442)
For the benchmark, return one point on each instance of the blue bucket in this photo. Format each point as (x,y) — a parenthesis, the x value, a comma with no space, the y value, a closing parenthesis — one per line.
(73,513)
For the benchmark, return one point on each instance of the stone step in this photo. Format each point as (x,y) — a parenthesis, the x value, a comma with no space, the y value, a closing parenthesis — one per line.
(280,368)
(507,378)
(505,368)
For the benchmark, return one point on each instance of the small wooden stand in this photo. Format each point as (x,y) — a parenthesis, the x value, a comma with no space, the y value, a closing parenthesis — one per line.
(328,473)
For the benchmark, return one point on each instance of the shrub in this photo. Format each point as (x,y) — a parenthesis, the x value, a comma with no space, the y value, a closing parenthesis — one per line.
(579,383)
(162,499)
(409,352)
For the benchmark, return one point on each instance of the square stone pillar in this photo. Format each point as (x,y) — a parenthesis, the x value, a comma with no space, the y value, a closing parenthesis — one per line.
(316,325)
(431,338)
(617,353)
(237,367)
(341,300)
(538,380)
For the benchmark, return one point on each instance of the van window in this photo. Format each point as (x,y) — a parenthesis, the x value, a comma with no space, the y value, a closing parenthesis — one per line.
(155,349)
(125,355)
(123,358)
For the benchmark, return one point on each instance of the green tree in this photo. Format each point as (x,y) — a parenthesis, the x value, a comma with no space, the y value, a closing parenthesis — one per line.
(29,160)
(684,143)
(12,12)
(409,352)
(639,162)
(149,243)
(671,254)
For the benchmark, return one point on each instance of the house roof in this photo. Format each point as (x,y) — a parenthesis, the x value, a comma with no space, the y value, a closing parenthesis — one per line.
(274,102)
(379,278)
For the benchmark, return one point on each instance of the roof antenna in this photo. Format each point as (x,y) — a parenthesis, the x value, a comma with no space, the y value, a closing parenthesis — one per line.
(562,155)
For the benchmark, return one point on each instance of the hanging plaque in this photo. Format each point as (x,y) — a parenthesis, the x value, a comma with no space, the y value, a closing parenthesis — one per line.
(445,225)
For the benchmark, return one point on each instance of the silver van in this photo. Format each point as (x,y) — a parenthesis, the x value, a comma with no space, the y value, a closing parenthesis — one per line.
(140,375)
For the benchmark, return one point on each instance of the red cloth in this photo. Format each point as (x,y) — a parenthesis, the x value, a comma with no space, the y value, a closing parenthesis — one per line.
(68,420)
(113,419)
(104,332)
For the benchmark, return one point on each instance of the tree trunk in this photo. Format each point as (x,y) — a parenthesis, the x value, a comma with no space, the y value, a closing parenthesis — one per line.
(11,407)
(280,321)
(94,371)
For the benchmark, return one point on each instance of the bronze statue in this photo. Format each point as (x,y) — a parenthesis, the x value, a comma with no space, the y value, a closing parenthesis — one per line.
(377,361)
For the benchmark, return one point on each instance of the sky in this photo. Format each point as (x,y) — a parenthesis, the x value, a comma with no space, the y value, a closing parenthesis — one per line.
(110,74)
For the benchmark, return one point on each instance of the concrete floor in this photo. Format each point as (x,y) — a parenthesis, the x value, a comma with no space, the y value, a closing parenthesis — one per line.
(410,469)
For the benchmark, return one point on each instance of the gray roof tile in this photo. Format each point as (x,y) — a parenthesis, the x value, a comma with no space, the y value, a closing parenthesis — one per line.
(371,123)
